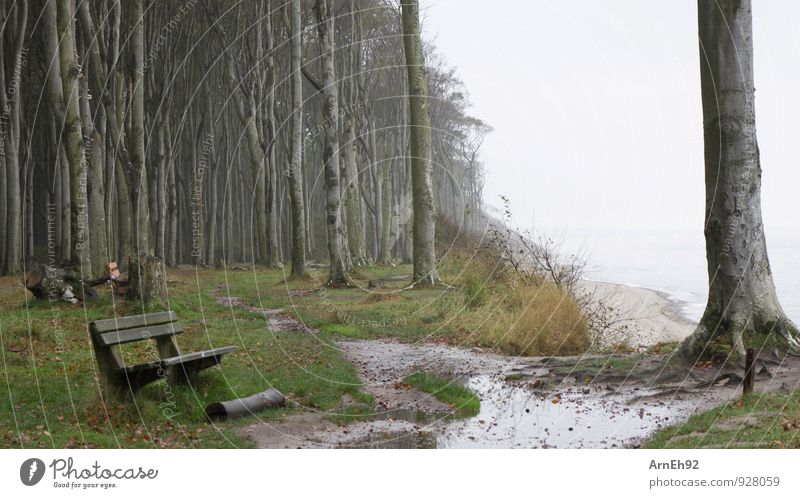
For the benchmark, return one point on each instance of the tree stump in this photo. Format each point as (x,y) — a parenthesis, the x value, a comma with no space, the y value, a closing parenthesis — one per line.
(146,280)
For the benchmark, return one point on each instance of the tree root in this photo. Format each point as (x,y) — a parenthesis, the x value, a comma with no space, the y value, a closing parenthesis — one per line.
(790,334)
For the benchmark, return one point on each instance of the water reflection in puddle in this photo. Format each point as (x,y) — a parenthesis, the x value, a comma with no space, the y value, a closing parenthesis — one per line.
(515,417)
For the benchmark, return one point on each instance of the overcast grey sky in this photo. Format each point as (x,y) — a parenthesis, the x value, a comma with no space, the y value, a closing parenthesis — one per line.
(596,107)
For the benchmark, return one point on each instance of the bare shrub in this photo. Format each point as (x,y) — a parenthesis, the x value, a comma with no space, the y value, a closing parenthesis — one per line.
(535,259)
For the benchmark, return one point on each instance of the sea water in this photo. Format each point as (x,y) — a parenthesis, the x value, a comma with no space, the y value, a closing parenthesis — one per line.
(674,263)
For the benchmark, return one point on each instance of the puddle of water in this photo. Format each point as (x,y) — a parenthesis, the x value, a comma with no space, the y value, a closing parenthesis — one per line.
(514,417)
(392,440)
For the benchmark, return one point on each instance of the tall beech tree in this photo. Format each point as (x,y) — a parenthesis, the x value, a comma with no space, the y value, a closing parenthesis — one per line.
(69,111)
(330,155)
(12,42)
(295,169)
(742,300)
(420,149)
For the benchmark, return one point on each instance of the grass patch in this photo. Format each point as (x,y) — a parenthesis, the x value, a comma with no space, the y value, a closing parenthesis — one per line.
(51,397)
(758,420)
(662,348)
(343,330)
(464,401)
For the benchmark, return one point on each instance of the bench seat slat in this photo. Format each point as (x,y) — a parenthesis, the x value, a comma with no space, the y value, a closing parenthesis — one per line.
(138,334)
(132,322)
(177,360)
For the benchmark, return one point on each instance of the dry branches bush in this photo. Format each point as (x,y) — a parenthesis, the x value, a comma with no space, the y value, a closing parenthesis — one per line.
(521,296)
(546,308)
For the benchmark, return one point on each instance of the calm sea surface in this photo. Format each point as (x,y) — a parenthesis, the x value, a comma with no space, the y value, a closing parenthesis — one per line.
(674,262)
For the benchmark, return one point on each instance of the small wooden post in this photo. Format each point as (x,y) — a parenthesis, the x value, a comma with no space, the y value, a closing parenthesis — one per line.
(749,372)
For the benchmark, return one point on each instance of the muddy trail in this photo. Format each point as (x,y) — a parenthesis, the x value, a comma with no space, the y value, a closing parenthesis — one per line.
(592,401)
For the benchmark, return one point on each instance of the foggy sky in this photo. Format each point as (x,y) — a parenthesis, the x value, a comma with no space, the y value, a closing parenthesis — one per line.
(596,107)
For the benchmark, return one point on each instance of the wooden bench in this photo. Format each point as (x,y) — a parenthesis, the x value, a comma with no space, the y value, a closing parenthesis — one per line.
(119,379)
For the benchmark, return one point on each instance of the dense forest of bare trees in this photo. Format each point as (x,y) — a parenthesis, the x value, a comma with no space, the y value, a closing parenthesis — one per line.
(205,131)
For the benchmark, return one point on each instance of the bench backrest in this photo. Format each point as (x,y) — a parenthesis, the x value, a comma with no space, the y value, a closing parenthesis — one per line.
(106,334)
(121,330)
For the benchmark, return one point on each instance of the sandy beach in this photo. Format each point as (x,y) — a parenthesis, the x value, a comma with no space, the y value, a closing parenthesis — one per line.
(646,317)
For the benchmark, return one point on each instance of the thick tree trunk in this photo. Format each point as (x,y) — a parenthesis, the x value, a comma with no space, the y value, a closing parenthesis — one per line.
(742,299)
(98,247)
(11,139)
(330,155)
(273,251)
(73,135)
(296,164)
(422,189)
(146,280)
(138,174)
(259,173)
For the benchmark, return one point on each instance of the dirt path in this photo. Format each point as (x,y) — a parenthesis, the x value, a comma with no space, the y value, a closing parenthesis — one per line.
(525,402)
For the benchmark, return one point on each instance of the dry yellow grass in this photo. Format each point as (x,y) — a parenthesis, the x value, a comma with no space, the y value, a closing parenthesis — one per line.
(538,320)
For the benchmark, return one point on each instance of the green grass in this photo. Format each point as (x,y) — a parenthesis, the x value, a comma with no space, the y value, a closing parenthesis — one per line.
(464,401)
(343,330)
(49,397)
(759,420)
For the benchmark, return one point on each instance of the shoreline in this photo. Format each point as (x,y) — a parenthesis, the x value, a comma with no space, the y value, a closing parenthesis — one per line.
(679,306)
(646,316)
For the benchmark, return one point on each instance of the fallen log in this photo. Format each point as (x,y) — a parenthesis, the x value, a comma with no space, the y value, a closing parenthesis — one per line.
(47,282)
(241,407)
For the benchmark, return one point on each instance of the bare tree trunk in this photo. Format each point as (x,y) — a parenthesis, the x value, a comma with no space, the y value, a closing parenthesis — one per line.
(11,139)
(73,134)
(211,223)
(353,208)
(172,240)
(273,249)
(742,300)
(200,159)
(138,174)
(422,189)
(98,247)
(385,257)
(146,281)
(296,165)
(66,207)
(29,207)
(330,155)
(163,160)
